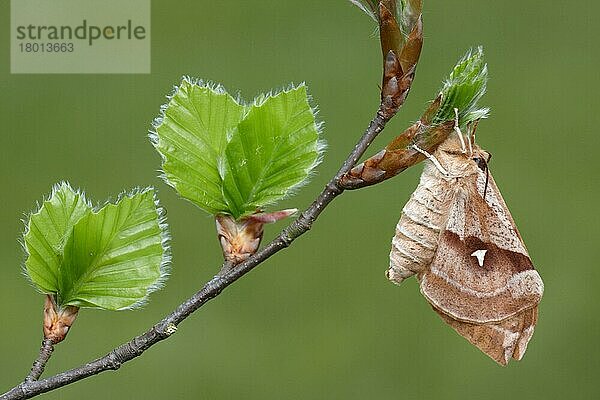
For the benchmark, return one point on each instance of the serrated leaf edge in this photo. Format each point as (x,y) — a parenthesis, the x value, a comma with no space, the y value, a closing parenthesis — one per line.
(167,256)
(27,218)
(257,101)
(216,88)
(165,236)
(321,145)
(166,259)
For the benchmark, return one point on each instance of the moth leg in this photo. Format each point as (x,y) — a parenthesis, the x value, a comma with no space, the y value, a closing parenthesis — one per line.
(432,159)
(458,132)
(470,146)
(471,128)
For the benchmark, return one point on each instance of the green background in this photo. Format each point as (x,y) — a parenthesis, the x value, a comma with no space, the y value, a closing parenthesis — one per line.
(319,320)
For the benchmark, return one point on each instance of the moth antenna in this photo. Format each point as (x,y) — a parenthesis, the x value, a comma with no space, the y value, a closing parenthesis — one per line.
(457,130)
(432,158)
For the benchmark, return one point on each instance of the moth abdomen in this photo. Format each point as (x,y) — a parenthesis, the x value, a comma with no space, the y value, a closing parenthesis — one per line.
(417,235)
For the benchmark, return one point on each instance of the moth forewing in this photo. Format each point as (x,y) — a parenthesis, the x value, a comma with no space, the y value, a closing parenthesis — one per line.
(457,235)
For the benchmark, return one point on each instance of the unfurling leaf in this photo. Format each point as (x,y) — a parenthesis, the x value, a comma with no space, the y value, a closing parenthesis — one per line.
(463,89)
(396,19)
(369,7)
(110,258)
(404,11)
(231,158)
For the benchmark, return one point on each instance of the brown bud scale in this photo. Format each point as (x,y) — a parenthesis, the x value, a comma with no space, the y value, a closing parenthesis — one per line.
(57,320)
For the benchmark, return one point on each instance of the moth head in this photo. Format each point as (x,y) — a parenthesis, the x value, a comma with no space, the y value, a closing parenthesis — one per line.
(459,162)
(460,155)
(482,158)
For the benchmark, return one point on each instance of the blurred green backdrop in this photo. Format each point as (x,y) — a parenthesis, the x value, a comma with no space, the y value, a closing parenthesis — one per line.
(320,320)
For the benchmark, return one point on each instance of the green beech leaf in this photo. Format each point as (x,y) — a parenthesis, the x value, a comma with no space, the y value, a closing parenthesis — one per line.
(231,158)
(111,258)
(273,151)
(115,257)
(191,136)
(46,233)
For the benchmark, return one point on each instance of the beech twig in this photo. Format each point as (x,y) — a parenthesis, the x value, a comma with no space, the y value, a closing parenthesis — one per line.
(398,72)
(168,325)
(40,363)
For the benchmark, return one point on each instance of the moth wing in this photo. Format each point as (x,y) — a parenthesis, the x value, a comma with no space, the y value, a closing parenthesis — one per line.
(501,341)
(481,271)
(481,280)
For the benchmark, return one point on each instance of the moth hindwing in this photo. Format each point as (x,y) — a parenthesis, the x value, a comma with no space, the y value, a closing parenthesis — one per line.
(458,237)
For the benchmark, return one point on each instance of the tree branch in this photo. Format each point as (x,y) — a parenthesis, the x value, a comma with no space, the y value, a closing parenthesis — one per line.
(168,325)
(400,57)
(40,363)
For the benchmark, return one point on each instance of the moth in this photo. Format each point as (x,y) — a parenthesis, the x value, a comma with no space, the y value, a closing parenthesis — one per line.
(459,239)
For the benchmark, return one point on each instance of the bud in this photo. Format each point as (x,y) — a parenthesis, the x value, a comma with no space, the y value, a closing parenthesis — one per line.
(401,35)
(400,55)
(241,238)
(57,320)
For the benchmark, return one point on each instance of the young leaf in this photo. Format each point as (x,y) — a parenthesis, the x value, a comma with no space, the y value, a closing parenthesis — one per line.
(405,12)
(463,89)
(369,7)
(272,152)
(229,158)
(115,257)
(191,136)
(47,232)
